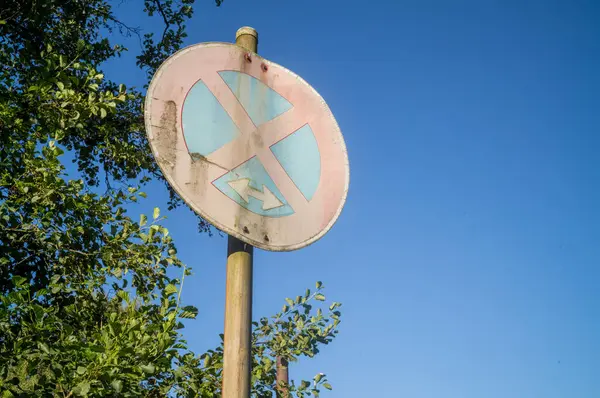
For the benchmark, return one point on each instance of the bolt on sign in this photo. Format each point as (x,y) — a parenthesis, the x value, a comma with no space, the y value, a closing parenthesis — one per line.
(248,145)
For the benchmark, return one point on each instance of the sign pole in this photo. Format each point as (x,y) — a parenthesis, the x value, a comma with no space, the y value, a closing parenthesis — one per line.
(237,344)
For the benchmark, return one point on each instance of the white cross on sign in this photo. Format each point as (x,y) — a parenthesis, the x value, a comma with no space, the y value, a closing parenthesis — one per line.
(249,145)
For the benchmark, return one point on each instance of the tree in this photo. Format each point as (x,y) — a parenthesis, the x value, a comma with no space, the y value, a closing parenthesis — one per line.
(86,306)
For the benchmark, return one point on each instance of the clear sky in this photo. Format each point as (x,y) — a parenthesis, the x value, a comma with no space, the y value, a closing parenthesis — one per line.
(467,257)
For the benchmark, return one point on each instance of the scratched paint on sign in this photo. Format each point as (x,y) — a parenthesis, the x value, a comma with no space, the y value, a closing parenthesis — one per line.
(260,102)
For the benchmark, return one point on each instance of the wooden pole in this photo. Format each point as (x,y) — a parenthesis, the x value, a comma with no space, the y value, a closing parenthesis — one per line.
(283,378)
(247,38)
(237,344)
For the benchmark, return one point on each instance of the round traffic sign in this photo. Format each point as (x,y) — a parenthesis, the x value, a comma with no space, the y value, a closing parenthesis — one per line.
(248,145)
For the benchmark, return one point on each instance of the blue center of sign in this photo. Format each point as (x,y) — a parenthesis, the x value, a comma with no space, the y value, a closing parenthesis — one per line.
(207,127)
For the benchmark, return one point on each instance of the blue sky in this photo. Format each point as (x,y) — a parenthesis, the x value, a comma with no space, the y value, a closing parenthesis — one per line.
(467,256)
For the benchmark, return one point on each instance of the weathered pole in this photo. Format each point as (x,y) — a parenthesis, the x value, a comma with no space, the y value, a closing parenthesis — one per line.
(237,344)
(283,378)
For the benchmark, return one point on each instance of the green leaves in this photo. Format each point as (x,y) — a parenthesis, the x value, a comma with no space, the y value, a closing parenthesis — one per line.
(43,347)
(148,368)
(170,289)
(19,281)
(188,312)
(117,385)
(82,389)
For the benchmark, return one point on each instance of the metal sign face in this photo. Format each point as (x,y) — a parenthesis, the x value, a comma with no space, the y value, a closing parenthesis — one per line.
(248,145)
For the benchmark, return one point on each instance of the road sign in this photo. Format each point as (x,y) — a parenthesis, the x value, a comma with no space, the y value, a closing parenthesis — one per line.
(248,145)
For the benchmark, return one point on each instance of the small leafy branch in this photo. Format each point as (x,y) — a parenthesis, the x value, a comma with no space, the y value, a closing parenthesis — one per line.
(298,330)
